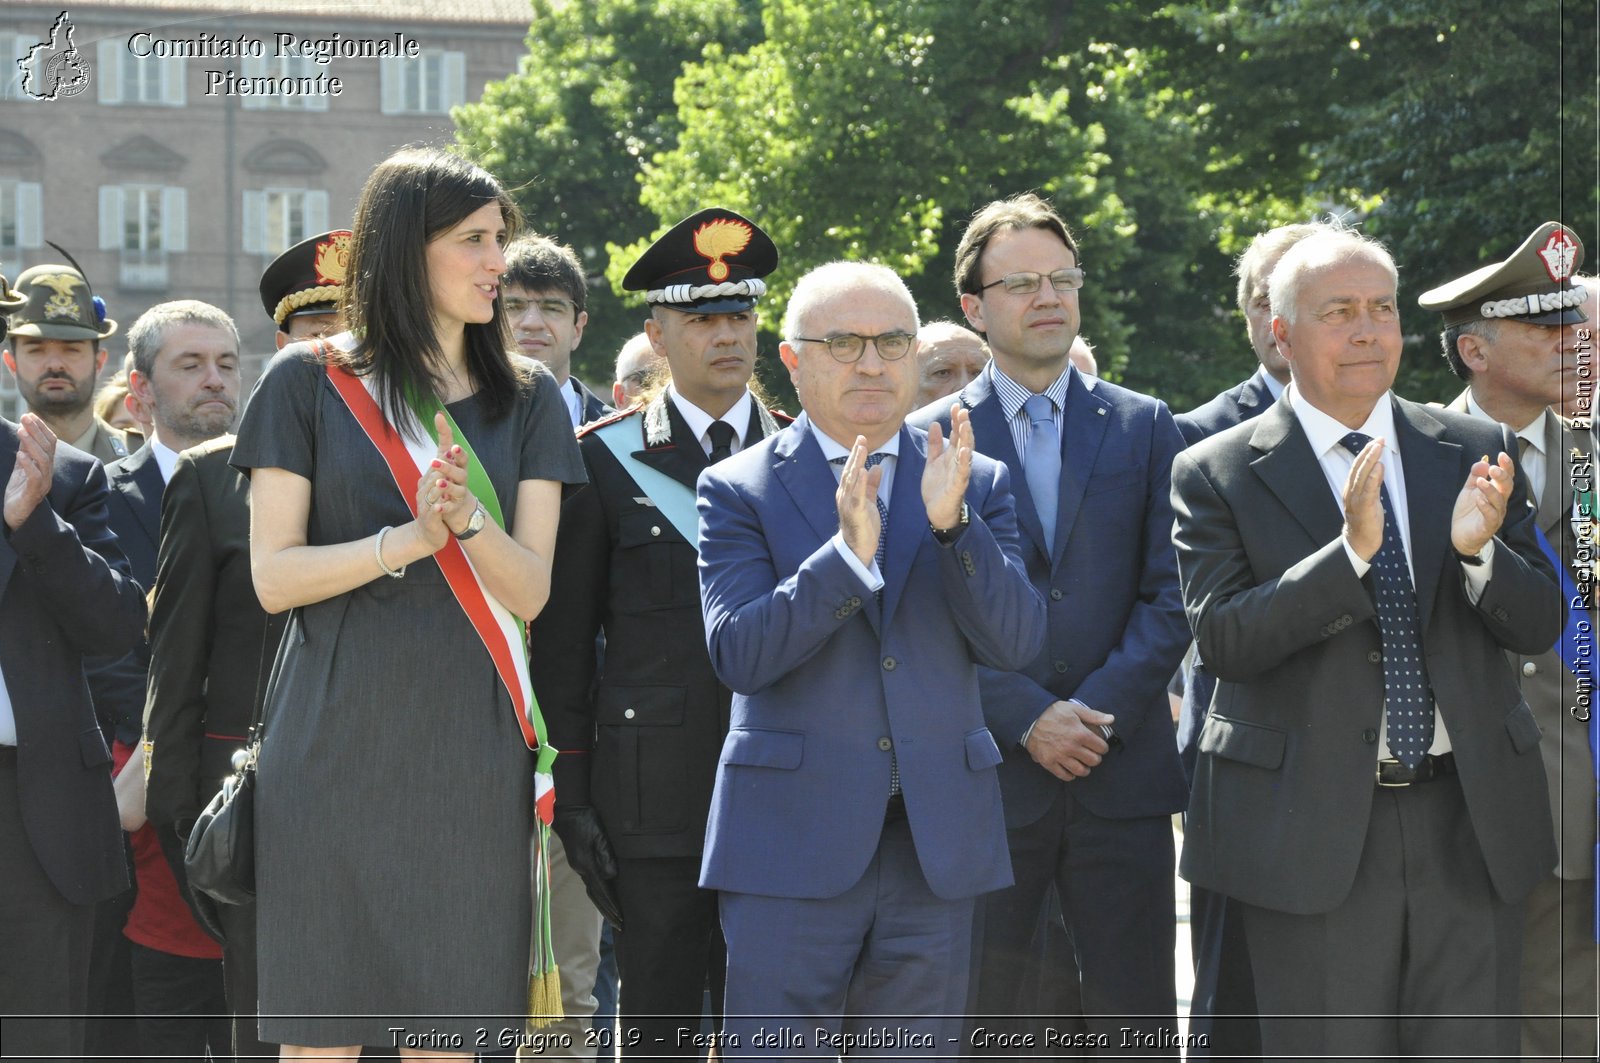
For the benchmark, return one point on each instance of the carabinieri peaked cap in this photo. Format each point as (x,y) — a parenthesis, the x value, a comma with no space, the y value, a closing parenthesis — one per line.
(1535,284)
(307,278)
(711,262)
(58,305)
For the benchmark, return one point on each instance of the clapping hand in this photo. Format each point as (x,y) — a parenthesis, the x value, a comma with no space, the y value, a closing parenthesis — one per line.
(1363,502)
(30,476)
(857,501)
(443,502)
(944,478)
(1481,506)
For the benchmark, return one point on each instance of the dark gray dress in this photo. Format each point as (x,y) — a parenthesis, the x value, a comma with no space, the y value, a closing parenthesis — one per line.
(395,798)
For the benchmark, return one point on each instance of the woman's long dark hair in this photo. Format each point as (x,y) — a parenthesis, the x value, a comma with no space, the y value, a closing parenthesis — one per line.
(410,198)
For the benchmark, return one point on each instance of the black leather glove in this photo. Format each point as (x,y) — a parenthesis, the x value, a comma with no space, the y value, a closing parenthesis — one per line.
(589,854)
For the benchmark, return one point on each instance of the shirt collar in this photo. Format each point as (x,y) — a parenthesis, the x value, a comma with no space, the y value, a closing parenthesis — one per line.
(574,401)
(1325,432)
(1013,395)
(1533,432)
(1273,385)
(166,458)
(699,421)
(832,448)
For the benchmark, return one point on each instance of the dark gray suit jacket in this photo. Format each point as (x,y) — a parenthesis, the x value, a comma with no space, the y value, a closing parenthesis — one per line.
(1284,784)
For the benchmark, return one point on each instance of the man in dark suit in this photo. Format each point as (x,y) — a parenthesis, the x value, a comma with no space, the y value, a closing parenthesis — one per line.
(855,573)
(186,373)
(1090,776)
(1519,362)
(1223,1004)
(64,592)
(1369,787)
(545,292)
(639,736)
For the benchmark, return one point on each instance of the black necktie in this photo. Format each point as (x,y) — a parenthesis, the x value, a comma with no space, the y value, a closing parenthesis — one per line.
(722,434)
(1406,691)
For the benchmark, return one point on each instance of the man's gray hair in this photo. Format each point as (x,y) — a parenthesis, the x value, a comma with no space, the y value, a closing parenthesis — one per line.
(149,333)
(828,280)
(1317,252)
(1267,248)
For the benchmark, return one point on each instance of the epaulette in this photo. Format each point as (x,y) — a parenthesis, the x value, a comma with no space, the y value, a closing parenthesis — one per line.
(620,415)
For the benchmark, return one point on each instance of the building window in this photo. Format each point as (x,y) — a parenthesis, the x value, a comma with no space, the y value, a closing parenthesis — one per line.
(14,49)
(432,83)
(282,66)
(21,224)
(127,79)
(275,219)
(146,224)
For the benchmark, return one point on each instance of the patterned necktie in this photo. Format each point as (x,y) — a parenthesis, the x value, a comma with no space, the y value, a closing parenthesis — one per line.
(721,433)
(1042,466)
(879,557)
(1406,690)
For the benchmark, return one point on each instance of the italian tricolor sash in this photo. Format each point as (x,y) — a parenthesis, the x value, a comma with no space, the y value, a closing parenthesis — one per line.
(409,455)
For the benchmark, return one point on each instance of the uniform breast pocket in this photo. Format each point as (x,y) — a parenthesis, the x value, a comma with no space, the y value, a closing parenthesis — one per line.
(647,543)
(640,751)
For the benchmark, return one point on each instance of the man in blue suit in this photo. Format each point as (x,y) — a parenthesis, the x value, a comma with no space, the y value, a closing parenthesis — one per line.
(1091,776)
(854,574)
(1223,1003)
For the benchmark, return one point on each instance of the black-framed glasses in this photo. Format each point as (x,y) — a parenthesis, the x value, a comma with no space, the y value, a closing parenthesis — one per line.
(515,306)
(1027,282)
(848,347)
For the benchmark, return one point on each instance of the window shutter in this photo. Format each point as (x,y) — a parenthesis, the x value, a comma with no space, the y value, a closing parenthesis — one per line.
(255,221)
(172,71)
(454,80)
(316,212)
(391,78)
(108,72)
(174,220)
(110,217)
(29,214)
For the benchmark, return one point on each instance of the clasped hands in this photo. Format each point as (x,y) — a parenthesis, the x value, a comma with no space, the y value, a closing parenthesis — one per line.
(944,483)
(1479,511)
(1066,739)
(32,474)
(444,505)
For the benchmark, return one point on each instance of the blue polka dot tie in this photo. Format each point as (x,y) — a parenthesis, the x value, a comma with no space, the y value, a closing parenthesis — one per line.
(882,554)
(1406,690)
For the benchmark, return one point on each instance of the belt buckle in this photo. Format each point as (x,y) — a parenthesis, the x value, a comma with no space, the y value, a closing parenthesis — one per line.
(1377,774)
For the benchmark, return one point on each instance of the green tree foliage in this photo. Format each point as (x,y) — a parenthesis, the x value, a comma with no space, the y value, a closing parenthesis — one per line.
(1168,136)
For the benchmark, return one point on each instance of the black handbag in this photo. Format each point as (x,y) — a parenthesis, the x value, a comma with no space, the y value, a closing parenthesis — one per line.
(220,856)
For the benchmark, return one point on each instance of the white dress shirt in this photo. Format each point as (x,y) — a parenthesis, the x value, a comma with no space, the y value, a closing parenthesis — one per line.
(700,422)
(832,448)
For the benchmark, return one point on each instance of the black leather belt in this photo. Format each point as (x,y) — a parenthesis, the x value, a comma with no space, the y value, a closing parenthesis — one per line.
(896,810)
(1393,773)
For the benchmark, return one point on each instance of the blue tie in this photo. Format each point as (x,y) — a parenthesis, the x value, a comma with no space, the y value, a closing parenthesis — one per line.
(1042,466)
(1406,690)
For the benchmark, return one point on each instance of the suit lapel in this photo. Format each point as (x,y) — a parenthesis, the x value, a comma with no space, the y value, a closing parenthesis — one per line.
(1293,472)
(669,447)
(1252,398)
(8,462)
(1432,468)
(139,481)
(1083,429)
(804,473)
(1555,501)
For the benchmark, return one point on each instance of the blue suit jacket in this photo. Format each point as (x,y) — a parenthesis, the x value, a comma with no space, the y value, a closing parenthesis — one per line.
(1116,626)
(826,682)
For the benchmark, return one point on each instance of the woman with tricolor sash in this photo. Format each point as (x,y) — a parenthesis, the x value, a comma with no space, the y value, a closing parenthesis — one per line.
(405,482)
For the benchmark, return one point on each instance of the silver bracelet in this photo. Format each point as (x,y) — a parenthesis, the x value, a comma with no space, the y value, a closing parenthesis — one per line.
(377,552)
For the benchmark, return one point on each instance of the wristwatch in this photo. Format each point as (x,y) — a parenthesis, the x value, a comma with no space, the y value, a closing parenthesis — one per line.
(947,536)
(475,524)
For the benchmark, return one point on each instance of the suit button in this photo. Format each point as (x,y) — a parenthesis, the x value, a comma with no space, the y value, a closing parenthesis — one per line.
(655,529)
(1061,667)
(855,603)
(888,664)
(627,714)
(1374,656)
(1055,594)
(885,745)
(840,614)
(1369,736)
(1529,668)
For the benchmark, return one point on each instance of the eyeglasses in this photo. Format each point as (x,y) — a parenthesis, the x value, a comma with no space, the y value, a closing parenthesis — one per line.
(849,347)
(1026,283)
(516,306)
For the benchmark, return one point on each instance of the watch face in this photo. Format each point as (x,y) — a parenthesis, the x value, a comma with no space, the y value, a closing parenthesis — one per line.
(475,522)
